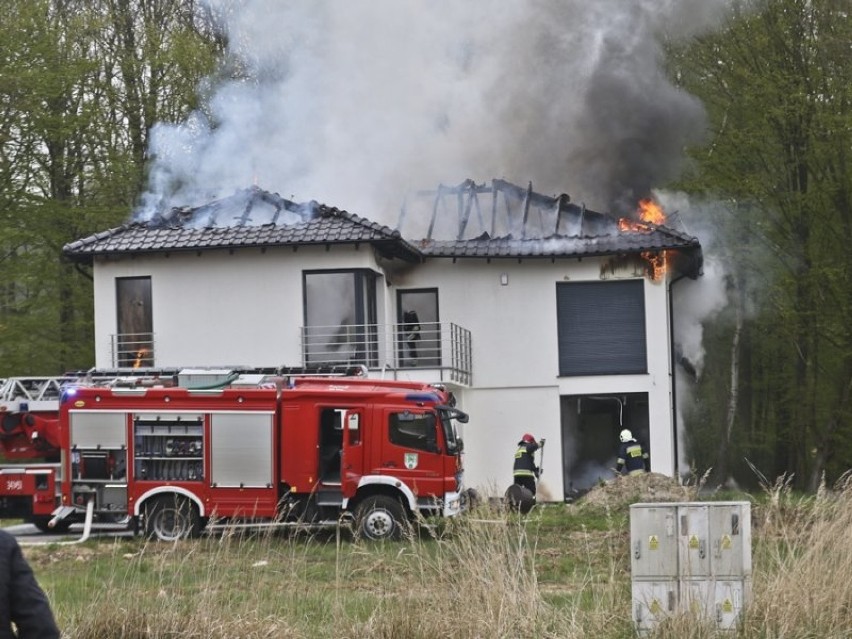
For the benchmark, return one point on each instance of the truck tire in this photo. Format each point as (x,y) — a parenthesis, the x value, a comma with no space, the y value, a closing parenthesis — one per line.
(41,522)
(380,518)
(171,518)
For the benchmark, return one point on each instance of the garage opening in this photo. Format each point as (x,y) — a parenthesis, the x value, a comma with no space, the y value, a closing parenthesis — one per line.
(590,428)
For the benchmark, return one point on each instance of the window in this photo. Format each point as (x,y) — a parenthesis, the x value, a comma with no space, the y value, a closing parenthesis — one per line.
(340,318)
(419,335)
(601,328)
(134,341)
(413,430)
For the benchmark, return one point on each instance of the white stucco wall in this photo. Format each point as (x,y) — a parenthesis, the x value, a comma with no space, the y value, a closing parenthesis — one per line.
(220,308)
(246,308)
(516,386)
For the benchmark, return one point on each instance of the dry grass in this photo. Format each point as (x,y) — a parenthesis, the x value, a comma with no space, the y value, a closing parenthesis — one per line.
(803,584)
(562,571)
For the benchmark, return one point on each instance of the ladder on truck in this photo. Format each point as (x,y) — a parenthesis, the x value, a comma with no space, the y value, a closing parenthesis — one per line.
(42,393)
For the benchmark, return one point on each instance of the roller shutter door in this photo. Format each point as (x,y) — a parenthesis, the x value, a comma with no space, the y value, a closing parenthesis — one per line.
(601,328)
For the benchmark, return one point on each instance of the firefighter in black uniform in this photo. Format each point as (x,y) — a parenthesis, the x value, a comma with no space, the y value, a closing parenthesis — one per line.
(632,457)
(411,330)
(525,471)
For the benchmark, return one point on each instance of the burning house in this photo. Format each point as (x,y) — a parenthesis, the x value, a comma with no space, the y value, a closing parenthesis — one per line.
(541,315)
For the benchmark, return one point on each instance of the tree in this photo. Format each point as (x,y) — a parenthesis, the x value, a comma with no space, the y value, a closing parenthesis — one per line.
(777,83)
(81,84)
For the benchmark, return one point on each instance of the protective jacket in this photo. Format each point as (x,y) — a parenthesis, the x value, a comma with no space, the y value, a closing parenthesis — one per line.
(22,601)
(524,462)
(633,457)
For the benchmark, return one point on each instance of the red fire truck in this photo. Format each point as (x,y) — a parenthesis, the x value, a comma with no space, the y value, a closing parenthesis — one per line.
(29,443)
(307,449)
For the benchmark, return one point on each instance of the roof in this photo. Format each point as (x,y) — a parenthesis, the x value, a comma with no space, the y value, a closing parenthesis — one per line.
(651,238)
(257,218)
(250,218)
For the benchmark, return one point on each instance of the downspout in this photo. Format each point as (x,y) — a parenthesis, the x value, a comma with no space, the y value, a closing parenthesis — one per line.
(672,351)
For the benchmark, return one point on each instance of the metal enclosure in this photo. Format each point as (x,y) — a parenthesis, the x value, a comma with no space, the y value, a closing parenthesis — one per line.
(719,600)
(654,541)
(704,548)
(653,601)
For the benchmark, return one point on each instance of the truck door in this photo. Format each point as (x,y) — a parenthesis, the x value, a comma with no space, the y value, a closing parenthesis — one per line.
(352,453)
(411,450)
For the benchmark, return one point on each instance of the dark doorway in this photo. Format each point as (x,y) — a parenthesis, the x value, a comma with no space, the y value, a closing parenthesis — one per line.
(590,428)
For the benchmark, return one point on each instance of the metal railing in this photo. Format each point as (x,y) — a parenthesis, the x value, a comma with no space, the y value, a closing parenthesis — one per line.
(437,346)
(132,350)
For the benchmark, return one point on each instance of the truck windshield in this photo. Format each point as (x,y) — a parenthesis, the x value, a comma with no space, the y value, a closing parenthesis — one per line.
(450,433)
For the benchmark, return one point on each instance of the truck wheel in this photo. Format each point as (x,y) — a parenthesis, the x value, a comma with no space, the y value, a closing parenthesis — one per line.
(41,522)
(171,518)
(380,518)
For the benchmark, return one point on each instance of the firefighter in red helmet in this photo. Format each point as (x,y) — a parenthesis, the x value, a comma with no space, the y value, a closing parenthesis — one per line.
(525,471)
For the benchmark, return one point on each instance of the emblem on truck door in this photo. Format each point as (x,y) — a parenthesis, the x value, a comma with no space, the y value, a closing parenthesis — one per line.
(411,461)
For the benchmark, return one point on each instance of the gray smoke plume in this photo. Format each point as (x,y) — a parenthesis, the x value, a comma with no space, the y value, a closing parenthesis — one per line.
(354,103)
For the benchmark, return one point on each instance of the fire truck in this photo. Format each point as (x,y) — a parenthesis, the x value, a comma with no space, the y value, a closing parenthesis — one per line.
(273,451)
(29,443)
(29,438)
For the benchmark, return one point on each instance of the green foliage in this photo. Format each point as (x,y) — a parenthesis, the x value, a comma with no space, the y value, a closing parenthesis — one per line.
(777,83)
(81,84)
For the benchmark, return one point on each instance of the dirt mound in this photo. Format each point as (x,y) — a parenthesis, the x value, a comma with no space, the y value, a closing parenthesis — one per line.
(631,489)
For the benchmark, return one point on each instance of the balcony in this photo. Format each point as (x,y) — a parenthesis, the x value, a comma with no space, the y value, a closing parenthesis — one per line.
(439,352)
(132,350)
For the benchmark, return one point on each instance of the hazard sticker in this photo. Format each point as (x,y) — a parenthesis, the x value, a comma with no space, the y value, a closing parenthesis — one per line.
(654,542)
(655,607)
(726,542)
(727,606)
(693,542)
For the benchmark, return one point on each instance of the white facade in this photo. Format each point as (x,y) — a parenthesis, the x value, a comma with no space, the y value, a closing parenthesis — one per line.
(245,307)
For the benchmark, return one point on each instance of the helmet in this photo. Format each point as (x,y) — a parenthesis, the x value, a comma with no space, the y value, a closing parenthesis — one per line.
(625,435)
(528,439)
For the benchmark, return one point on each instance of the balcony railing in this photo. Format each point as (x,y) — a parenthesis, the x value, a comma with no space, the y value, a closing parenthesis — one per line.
(132,350)
(441,347)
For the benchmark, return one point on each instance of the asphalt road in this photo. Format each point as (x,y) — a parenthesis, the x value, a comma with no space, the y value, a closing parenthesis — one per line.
(28,534)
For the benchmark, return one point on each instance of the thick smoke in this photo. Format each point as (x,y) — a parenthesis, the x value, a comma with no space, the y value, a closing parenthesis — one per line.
(355,103)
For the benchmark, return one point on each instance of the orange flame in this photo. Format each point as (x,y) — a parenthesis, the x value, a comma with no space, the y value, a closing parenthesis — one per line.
(140,356)
(649,212)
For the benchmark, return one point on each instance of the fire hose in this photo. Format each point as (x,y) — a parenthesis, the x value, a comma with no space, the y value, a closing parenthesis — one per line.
(87,530)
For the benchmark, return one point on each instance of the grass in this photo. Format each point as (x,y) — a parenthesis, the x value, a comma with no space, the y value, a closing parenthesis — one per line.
(562,571)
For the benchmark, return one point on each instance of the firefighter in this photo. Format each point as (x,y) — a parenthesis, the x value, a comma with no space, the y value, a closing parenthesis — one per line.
(23,602)
(632,457)
(525,471)
(411,330)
